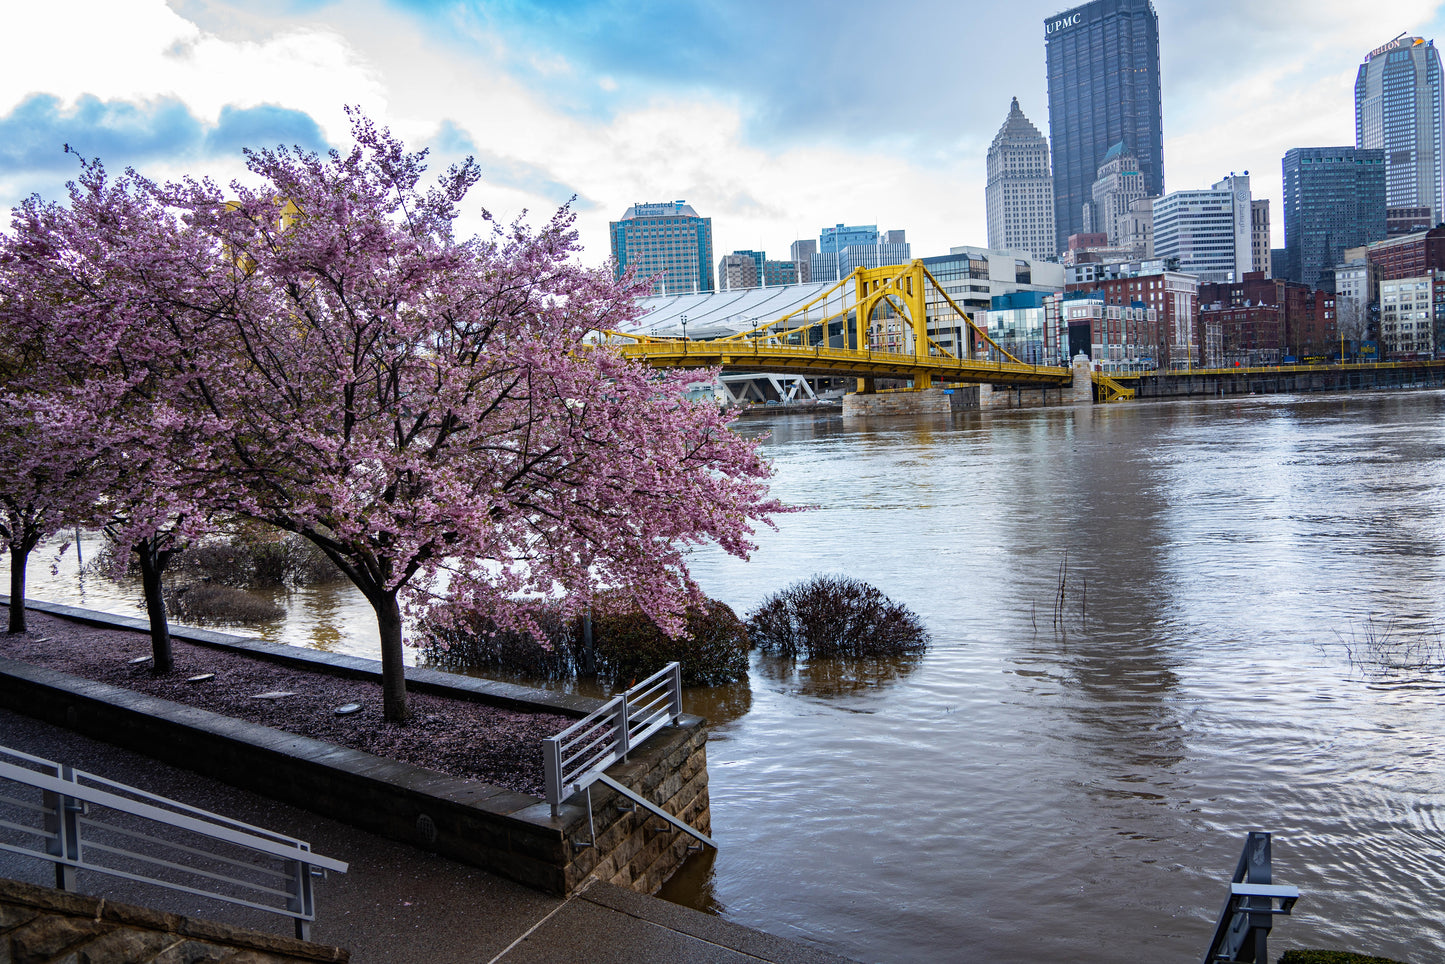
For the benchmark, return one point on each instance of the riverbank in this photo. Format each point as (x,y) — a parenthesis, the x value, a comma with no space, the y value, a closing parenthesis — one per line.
(1026,786)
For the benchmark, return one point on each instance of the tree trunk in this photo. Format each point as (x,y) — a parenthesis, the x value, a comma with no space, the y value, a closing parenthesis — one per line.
(393,670)
(152,564)
(19,556)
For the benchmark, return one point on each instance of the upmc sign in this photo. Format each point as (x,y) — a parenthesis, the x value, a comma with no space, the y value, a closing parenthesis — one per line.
(1063,23)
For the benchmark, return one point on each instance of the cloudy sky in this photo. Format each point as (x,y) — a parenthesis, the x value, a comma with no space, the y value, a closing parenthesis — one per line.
(774,119)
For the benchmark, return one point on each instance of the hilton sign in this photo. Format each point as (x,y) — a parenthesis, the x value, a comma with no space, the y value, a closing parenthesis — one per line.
(1054,26)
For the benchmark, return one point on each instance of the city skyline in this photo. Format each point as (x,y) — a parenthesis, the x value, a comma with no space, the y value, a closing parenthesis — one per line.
(657,102)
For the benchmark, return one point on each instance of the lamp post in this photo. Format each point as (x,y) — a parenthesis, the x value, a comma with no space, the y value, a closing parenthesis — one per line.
(684,334)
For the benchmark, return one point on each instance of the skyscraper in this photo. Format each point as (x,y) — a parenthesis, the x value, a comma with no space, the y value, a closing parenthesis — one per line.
(843,248)
(1259,236)
(802,252)
(1209,232)
(1118,185)
(1334,198)
(666,240)
(1020,192)
(1103,73)
(1398,107)
(735,271)
(833,240)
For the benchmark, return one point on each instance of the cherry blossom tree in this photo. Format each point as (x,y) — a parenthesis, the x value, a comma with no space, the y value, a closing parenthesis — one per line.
(317,351)
(428,410)
(50,478)
(85,416)
(41,490)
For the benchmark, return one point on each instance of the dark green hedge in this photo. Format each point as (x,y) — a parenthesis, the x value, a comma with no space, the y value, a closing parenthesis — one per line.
(713,650)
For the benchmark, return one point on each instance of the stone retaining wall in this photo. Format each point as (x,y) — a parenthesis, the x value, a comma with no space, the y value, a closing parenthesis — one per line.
(929,402)
(636,849)
(997,398)
(509,833)
(39,925)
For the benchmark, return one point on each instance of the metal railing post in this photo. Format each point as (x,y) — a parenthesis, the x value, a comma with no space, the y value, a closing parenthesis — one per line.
(675,691)
(300,902)
(552,765)
(624,726)
(1242,932)
(62,821)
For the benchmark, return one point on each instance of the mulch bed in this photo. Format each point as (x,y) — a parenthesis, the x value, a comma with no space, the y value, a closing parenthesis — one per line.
(456,737)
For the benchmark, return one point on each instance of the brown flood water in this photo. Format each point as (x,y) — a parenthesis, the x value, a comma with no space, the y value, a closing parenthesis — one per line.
(1251,639)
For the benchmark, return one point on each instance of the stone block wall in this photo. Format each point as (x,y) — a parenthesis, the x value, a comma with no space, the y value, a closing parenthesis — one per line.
(39,925)
(992,398)
(637,849)
(928,402)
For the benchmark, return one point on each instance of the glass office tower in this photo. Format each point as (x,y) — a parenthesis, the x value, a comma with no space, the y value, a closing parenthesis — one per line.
(1103,67)
(1334,198)
(1398,109)
(668,242)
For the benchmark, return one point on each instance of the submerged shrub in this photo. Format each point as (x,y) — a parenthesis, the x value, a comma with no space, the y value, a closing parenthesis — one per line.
(210,603)
(626,645)
(829,616)
(480,644)
(250,557)
(713,649)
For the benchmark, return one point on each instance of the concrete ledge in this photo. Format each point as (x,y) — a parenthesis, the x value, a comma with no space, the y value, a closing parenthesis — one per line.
(509,833)
(41,924)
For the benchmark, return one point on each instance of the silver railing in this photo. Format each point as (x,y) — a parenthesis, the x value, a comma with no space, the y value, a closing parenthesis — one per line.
(576,757)
(79,821)
(1242,933)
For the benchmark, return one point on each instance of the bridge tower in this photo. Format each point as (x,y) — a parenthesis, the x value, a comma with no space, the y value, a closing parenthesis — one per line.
(891,292)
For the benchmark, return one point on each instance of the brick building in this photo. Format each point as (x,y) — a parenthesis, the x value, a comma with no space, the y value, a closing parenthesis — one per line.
(1406,220)
(1263,321)
(1115,337)
(1173,296)
(1409,255)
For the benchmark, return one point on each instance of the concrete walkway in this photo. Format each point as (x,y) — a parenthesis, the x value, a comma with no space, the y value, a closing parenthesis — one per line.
(401,905)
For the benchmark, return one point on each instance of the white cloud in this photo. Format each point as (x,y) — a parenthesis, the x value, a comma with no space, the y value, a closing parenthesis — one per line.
(1243,82)
(142,49)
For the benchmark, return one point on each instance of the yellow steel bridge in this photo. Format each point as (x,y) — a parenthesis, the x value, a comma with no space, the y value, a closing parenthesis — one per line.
(875,323)
(897,322)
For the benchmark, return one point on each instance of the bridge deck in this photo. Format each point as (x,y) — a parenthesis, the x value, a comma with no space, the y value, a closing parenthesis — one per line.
(753,356)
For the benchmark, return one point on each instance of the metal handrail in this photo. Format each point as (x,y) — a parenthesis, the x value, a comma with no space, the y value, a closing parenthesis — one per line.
(576,757)
(1242,932)
(73,835)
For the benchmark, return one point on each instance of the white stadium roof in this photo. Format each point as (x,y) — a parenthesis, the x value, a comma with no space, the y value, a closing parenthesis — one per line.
(721,313)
